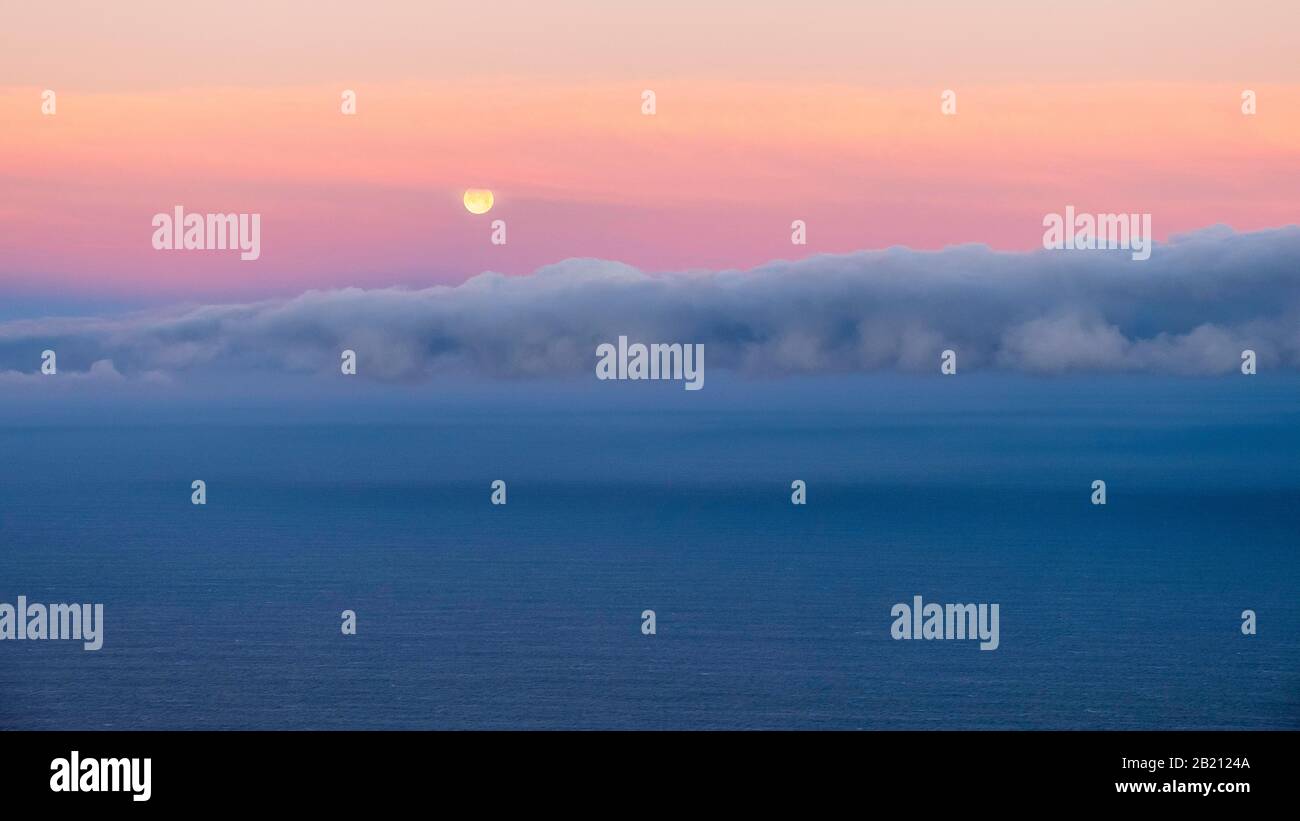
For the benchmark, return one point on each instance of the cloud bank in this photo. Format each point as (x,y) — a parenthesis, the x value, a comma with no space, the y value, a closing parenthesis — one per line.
(1191,309)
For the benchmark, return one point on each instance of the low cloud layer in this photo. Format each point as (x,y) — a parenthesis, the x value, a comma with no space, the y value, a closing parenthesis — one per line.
(1191,309)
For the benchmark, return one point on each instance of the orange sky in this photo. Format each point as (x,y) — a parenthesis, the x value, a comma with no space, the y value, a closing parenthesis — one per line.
(828,113)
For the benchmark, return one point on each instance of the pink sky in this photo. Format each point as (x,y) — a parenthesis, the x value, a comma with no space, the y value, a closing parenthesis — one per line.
(828,112)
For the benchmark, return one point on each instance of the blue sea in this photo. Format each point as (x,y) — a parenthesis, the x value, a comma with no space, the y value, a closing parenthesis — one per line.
(769,615)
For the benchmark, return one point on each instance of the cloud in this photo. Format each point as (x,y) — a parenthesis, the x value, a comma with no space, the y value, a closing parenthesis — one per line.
(1191,309)
(101,371)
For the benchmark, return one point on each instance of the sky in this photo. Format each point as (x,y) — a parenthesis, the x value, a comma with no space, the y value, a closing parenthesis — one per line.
(765,113)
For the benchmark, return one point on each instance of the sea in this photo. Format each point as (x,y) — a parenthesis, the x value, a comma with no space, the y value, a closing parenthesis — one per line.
(768,615)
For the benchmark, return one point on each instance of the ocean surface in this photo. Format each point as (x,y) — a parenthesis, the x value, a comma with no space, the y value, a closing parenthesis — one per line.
(769,615)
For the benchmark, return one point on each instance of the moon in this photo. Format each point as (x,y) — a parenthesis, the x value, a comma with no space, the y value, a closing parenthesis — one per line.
(478,200)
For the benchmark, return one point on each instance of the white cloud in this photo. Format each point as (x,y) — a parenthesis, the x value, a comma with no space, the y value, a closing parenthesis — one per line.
(1191,308)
